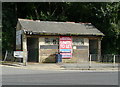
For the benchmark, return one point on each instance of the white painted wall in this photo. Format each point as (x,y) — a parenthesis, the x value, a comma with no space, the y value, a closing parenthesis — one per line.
(86,41)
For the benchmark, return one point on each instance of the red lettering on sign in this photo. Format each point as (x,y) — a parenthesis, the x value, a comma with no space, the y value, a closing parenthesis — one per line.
(65,43)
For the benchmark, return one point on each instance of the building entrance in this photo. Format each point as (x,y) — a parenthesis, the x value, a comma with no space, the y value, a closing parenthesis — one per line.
(32,48)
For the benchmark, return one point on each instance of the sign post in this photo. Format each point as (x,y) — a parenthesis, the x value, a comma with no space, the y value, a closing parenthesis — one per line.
(18,54)
(21,55)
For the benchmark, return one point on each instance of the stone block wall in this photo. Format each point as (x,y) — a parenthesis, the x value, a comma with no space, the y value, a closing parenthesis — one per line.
(47,52)
(48,55)
(77,56)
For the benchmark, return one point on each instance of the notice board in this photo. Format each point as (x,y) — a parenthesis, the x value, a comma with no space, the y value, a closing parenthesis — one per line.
(18,39)
(65,46)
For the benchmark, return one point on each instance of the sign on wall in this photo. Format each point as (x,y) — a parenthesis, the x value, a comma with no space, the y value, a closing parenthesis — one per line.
(18,39)
(65,46)
(66,55)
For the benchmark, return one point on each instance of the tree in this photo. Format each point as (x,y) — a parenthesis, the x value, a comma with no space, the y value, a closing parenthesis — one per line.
(8,29)
(103,15)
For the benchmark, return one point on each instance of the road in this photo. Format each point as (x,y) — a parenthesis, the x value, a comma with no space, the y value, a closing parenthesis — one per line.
(17,76)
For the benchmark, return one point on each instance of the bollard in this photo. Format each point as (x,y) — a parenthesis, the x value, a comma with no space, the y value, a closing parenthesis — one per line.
(90,62)
(114,61)
(6,55)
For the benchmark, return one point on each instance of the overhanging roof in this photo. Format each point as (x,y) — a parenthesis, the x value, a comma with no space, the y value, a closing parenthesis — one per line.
(50,27)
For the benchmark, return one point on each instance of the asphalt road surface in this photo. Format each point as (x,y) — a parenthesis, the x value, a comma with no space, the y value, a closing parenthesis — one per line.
(17,76)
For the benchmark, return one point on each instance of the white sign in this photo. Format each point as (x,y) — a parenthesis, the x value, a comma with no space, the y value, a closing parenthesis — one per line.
(74,47)
(18,54)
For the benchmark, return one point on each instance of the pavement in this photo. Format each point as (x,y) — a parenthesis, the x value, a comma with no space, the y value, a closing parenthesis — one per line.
(93,66)
(65,66)
(34,66)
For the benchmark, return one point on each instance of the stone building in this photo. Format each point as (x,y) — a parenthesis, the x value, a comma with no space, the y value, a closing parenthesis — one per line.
(43,39)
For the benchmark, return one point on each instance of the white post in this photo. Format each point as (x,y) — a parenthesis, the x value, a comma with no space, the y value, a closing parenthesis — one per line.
(39,39)
(25,57)
(6,55)
(99,50)
(25,54)
(90,62)
(114,60)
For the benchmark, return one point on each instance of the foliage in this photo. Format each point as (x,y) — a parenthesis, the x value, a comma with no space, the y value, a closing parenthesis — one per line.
(8,26)
(103,15)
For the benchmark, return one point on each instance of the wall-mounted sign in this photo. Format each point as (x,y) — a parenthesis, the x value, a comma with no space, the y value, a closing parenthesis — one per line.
(74,47)
(18,39)
(65,46)
(18,54)
(66,55)
(65,43)
(65,50)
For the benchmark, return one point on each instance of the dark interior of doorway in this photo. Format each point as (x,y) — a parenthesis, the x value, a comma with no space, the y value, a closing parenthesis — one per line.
(93,46)
(32,47)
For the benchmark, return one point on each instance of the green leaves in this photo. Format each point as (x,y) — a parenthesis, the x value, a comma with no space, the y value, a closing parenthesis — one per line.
(103,15)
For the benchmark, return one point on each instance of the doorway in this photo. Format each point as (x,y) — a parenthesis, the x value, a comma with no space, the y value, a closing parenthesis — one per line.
(93,46)
(93,49)
(33,51)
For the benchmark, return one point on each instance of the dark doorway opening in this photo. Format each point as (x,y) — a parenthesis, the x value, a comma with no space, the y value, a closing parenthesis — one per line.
(93,46)
(93,49)
(32,47)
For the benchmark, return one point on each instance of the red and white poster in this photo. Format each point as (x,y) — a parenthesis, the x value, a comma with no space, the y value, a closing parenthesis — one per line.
(65,46)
